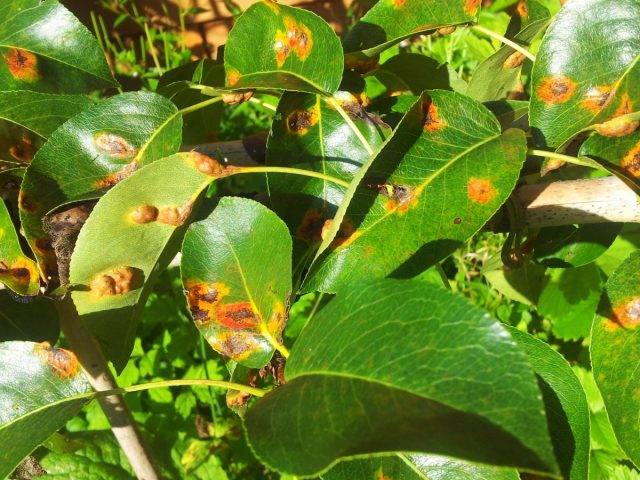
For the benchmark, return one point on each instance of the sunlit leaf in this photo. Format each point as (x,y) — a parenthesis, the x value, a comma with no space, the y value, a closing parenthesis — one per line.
(17,271)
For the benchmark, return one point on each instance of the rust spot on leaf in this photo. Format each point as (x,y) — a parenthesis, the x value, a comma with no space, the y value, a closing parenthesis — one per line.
(116,282)
(471,6)
(300,121)
(176,216)
(597,98)
(114,145)
(237,98)
(431,118)
(310,228)
(23,65)
(626,315)
(480,190)
(116,177)
(20,272)
(63,363)
(277,321)
(626,105)
(144,214)
(203,299)
(556,89)
(631,161)
(207,165)
(235,344)
(398,3)
(296,38)
(617,127)
(522,9)
(233,77)
(236,316)
(400,197)
(281,47)
(345,236)
(26,204)
(514,60)
(23,150)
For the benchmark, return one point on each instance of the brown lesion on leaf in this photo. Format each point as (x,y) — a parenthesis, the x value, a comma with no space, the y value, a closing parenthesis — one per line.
(278,318)
(300,121)
(432,122)
(556,89)
(625,315)
(174,216)
(20,272)
(471,6)
(281,47)
(114,145)
(236,98)
(235,344)
(116,177)
(522,10)
(144,214)
(398,3)
(203,299)
(238,316)
(63,363)
(310,227)
(233,77)
(296,37)
(207,165)
(26,203)
(380,475)
(345,236)
(22,151)
(399,197)
(480,190)
(617,127)
(514,60)
(118,281)
(625,106)
(23,65)
(597,98)
(630,164)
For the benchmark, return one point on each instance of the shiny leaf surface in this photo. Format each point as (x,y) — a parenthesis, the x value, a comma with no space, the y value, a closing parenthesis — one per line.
(17,271)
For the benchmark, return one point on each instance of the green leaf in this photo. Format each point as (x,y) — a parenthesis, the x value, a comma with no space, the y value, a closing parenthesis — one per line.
(393,366)
(408,466)
(565,403)
(510,113)
(17,271)
(36,386)
(27,118)
(236,269)
(585,70)
(129,238)
(45,48)
(621,156)
(523,284)
(36,321)
(89,154)
(626,243)
(574,246)
(445,170)
(497,76)
(570,298)
(278,47)
(614,353)
(391,21)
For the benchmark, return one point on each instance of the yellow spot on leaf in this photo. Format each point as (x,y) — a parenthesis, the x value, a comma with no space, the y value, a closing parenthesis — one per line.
(626,315)
(300,121)
(471,6)
(631,161)
(233,77)
(431,118)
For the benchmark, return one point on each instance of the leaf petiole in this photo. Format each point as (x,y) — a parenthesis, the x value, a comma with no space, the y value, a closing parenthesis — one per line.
(291,171)
(336,104)
(506,41)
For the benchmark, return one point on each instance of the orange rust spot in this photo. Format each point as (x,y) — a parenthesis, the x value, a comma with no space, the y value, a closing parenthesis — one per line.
(237,98)
(116,177)
(26,204)
(175,216)
(116,282)
(398,3)
(23,65)
(281,47)
(514,60)
(203,299)
(114,146)
(597,98)
(626,105)
(300,121)
(631,161)
(345,236)
(400,197)
(207,165)
(233,77)
(471,6)
(480,190)
(617,127)
(63,363)
(627,315)
(299,38)
(432,121)
(23,150)
(522,9)
(239,315)
(556,89)
(144,214)
(311,226)
(21,272)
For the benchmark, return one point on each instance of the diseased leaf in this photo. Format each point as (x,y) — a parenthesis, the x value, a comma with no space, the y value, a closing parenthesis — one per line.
(130,237)
(236,269)
(17,271)
(621,156)
(45,48)
(565,404)
(88,155)
(279,47)
(37,383)
(394,365)
(443,172)
(36,321)
(614,353)
(409,466)
(586,69)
